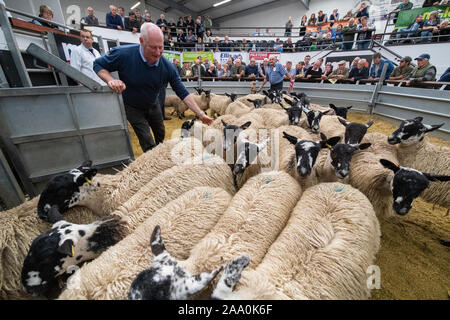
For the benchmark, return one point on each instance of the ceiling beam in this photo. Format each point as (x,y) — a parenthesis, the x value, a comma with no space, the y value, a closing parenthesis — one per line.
(305,3)
(177,6)
(254,9)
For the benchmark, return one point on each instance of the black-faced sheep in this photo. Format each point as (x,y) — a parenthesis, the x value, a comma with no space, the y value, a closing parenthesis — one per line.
(340,111)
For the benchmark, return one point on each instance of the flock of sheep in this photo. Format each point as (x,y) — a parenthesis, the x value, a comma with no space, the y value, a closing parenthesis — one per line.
(269,202)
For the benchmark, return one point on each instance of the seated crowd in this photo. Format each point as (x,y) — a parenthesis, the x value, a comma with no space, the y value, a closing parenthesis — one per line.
(358,70)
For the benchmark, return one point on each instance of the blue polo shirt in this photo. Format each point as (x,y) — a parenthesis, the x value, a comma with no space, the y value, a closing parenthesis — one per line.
(143,80)
(275,74)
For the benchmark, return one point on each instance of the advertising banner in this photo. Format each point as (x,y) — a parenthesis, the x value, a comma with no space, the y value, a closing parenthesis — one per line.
(260,56)
(170,55)
(191,56)
(406,17)
(327,25)
(222,57)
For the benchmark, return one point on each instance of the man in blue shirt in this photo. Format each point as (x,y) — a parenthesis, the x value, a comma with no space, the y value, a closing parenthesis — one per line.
(113,20)
(377,67)
(275,74)
(143,73)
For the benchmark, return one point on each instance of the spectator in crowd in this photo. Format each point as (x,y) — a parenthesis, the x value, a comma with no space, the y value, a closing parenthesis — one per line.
(348,34)
(121,13)
(290,70)
(430,27)
(257,33)
(377,67)
(278,46)
(348,16)
(319,33)
(444,31)
(313,46)
(219,69)
(364,33)
(338,36)
(144,73)
(362,11)
(181,24)
(211,71)
(139,18)
(191,37)
(172,28)
(274,75)
(199,46)
(321,18)
(186,70)
(131,24)
(216,45)
(303,24)
(288,28)
(206,63)
(176,64)
(342,72)
(226,70)
(355,63)
(164,30)
(82,57)
(198,69)
(208,37)
(267,32)
(445,76)
(113,20)
(245,45)
(424,71)
(300,70)
(402,70)
(430,3)
(360,72)
(91,19)
(181,36)
(288,46)
(45,13)
(327,41)
(334,17)
(190,24)
(405,5)
(253,70)
(162,22)
(315,72)
(148,17)
(207,23)
(328,70)
(308,62)
(312,20)
(237,70)
(412,28)
(199,28)
(226,45)
(264,66)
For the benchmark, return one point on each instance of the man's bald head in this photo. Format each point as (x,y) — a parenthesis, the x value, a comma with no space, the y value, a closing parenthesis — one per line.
(151,31)
(152,42)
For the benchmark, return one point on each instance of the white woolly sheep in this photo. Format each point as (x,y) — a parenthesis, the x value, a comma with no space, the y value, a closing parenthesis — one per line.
(272,118)
(186,220)
(252,222)
(416,151)
(328,244)
(219,104)
(254,96)
(238,109)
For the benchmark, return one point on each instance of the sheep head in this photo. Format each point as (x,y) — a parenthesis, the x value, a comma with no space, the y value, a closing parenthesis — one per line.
(231,133)
(246,153)
(354,132)
(340,111)
(313,118)
(341,156)
(67,190)
(412,130)
(408,184)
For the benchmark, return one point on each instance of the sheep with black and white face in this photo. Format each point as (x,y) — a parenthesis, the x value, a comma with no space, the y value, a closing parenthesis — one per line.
(59,250)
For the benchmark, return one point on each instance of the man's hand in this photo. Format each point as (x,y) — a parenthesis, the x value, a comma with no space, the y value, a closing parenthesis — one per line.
(205,119)
(117,85)
(119,27)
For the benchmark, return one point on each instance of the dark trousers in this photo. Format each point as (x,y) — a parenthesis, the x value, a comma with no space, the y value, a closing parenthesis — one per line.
(142,121)
(276,86)
(162,99)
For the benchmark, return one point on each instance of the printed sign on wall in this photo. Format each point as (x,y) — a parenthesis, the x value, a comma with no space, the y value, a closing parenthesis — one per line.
(260,56)
(191,56)
(222,57)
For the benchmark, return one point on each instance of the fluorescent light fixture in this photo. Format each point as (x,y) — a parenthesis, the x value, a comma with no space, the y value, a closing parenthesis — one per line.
(220,3)
(136,5)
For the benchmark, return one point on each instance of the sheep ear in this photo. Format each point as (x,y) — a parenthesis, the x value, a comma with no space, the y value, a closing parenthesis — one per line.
(230,277)
(288,101)
(332,142)
(66,248)
(224,123)
(389,165)
(364,146)
(332,106)
(54,215)
(265,100)
(197,283)
(434,177)
(250,100)
(323,136)
(369,124)
(227,94)
(290,138)
(418,119)
(156,242)
(246,125)
(345,123)
(348,108)
(327,111)
(432,127)
(85,165)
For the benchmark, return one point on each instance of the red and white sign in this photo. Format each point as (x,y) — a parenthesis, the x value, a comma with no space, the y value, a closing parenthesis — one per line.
(260,56)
